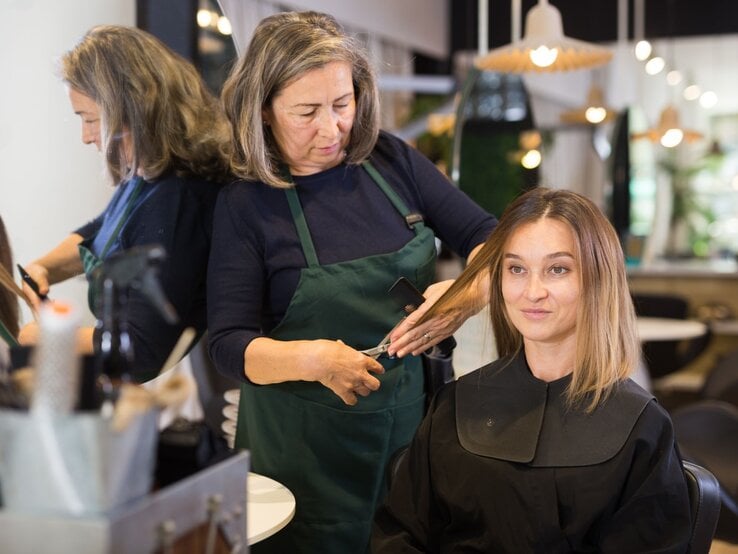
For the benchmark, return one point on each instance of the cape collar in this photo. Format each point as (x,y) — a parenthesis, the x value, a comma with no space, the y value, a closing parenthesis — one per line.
(504,412)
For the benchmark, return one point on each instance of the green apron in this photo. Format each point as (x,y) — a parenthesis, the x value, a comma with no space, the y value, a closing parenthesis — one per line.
(7,336)
(330,455)
(90,262)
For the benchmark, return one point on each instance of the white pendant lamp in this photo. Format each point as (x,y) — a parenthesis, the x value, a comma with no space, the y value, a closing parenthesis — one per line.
(544,47)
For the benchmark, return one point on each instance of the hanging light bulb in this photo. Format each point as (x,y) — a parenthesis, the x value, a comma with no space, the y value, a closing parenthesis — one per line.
(531,159)
(708,99)
(544,47)
(692,92)
(595,114)
(529,153)
(204,18)
(674,77)
(668,132)
(544,56)
(672,137)
(224,26)
(655,65)
(643,50)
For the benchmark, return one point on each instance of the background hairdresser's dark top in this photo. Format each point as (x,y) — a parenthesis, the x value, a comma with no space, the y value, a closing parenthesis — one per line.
(177,213)
(340,204)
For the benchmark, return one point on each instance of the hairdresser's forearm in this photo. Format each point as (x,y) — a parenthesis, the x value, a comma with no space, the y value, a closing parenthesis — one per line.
(63,261)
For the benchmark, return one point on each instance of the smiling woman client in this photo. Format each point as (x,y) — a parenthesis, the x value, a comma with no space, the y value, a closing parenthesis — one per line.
(551,448)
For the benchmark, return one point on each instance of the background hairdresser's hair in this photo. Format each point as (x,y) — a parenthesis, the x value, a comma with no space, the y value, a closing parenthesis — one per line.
(8,298)
(173,121)
(283,48)
(607,340)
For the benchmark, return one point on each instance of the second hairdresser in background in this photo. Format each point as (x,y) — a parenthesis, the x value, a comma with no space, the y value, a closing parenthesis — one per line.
(329,214)
(165,142)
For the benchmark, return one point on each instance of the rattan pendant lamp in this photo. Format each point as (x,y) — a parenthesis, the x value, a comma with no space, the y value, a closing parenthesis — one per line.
(544,47)
(593,112)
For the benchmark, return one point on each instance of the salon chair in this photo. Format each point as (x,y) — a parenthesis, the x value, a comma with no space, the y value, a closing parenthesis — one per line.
(706,433)
(704,500)
(665,357)
(721,382)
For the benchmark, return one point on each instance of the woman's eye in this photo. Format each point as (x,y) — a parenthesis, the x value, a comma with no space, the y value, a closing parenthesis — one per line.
(559,270)
(516,269)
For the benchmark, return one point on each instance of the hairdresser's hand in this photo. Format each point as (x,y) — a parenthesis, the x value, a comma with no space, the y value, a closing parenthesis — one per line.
(41,275)
(411,338)
(347,372)
(344,370)
(28,334)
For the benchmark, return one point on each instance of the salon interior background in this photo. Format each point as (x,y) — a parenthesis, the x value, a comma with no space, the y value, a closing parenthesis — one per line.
(50,182)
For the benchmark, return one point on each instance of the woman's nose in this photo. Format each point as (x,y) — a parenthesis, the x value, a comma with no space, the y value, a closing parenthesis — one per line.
(328,123)
(88,137)
(535,289)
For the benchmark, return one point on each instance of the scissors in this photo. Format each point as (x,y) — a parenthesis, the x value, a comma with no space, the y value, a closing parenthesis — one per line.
(383,345)
(380,349)
(411,297)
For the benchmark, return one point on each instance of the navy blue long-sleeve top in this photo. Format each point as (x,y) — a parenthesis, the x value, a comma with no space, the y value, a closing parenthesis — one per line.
(256,257)
(176,213)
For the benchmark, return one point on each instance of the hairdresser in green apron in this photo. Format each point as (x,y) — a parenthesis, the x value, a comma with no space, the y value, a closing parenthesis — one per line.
(304,251)
(355,441)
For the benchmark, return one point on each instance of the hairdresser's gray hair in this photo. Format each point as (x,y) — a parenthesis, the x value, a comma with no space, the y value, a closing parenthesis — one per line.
(283,48)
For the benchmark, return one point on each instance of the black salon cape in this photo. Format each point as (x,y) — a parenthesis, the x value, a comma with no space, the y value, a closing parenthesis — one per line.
(608,482)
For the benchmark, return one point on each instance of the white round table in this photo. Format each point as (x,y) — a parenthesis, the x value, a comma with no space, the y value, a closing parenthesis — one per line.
(270,506)
(663,328)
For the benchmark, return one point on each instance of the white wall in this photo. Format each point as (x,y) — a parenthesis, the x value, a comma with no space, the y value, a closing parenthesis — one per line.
(420,25)
(50,182)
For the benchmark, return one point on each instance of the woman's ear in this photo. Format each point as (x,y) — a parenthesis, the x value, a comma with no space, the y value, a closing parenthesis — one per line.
(266,117)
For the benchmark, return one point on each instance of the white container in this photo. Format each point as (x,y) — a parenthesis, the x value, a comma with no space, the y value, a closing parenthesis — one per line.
(74,464)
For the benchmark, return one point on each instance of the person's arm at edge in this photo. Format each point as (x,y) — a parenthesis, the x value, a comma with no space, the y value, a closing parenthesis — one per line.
(59,264)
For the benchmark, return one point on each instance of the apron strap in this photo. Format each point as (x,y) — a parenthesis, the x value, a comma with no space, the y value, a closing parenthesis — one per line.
(7,336)
(298,216)
(413,220)
(123,217)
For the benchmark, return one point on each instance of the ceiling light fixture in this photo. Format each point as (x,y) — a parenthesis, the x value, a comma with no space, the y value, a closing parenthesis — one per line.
(544,47)
(668,132)
(593,112)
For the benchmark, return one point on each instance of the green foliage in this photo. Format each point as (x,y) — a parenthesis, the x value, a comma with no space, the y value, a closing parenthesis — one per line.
(687,209)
